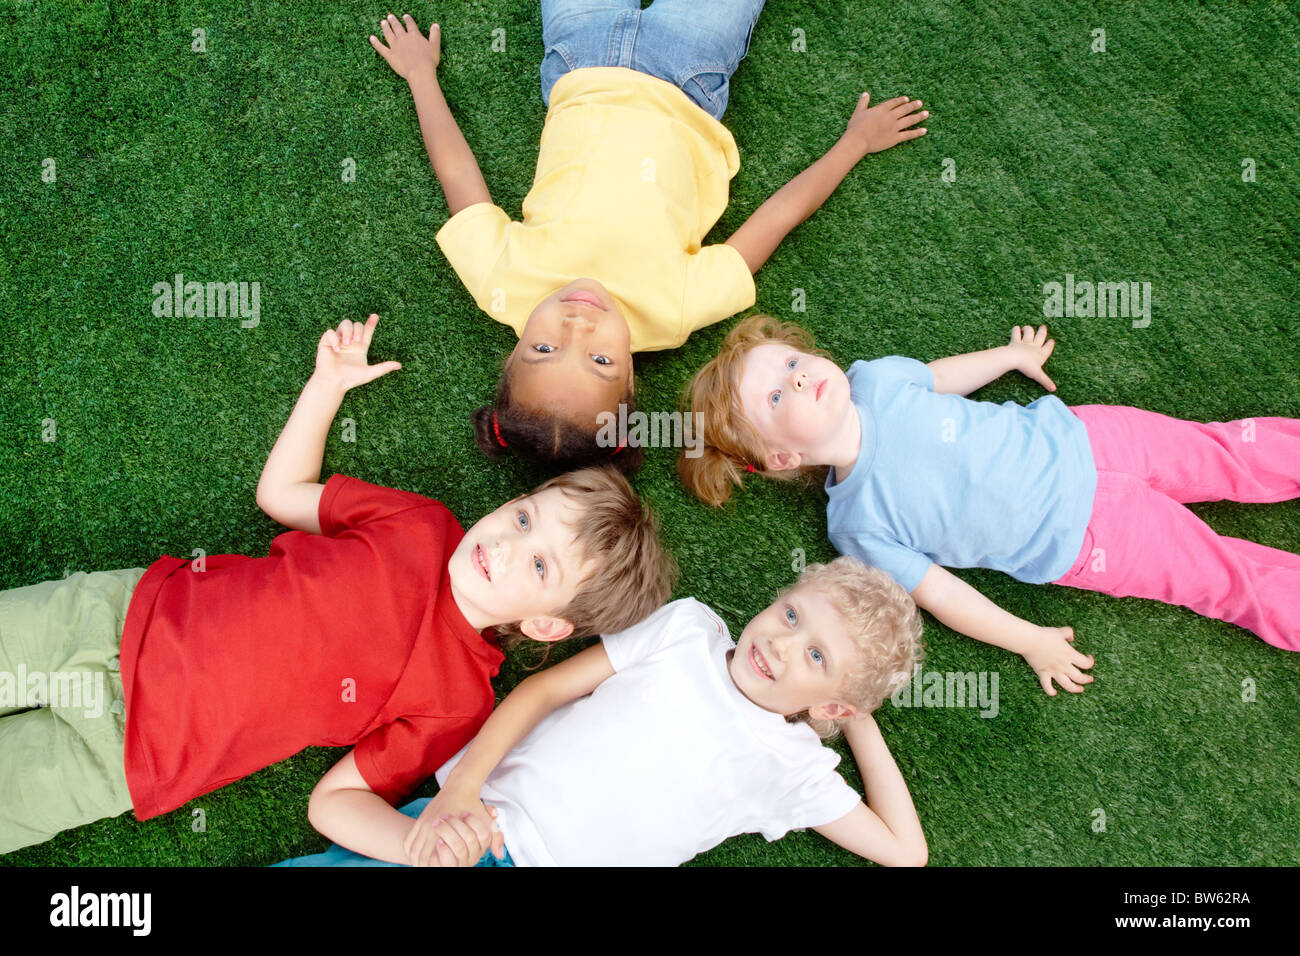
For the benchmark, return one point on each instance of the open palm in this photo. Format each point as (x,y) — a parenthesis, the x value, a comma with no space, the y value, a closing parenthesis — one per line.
(341,354)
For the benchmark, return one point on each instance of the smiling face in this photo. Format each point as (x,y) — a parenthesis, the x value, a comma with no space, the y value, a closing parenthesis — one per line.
(523,563)
(795,656)
(574,356)
(798,403)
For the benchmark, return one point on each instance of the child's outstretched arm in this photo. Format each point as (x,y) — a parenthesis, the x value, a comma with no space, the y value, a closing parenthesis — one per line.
(511,722)
(1027,352)
(290,487)
(870,130)
(885,828)
(415,59)
(965,610)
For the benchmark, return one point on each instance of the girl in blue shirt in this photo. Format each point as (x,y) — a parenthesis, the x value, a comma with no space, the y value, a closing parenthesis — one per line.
(921,478)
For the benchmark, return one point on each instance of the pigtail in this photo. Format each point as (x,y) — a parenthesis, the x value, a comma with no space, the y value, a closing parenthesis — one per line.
(710,475)
(487,432)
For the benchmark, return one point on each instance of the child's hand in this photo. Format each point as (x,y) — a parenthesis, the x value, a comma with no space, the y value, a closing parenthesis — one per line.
(430,839)
(341,355)
(449,841)
(885,125)
(1053,658)
(408,52)
(1031,351)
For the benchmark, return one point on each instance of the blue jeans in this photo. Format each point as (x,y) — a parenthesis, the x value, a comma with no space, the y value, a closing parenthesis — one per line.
(694,44)
(338,856)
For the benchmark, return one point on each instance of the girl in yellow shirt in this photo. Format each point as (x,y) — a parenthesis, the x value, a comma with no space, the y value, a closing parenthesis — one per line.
(632,173)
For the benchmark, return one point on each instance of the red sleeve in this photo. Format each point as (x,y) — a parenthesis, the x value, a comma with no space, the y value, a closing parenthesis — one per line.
(398,757)
(349,503)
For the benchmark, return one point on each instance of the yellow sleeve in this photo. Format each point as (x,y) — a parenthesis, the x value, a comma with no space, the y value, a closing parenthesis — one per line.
(718,285)
(474,240)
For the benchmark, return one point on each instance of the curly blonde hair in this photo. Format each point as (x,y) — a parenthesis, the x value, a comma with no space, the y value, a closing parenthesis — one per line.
(731,445)
(881,619)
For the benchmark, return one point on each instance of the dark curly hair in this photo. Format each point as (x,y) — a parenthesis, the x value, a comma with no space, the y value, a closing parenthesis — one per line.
(547,439)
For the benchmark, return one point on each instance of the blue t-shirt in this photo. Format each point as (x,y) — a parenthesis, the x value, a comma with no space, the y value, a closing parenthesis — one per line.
(944,479)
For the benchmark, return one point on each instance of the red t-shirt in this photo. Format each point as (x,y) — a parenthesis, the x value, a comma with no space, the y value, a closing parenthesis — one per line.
(347,637)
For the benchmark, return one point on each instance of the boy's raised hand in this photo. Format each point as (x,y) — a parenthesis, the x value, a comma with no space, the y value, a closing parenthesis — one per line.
(408,51)
(875,128)
(341,355)
(1031,350)
(1053,658)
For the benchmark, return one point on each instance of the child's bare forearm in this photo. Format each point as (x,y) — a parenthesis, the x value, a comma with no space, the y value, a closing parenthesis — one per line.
(886,790)
(524,708)
(1047,650)
(965,610)
(299,451)
(963,374)
(461,794)
(794,202)
(363,822)
(512,721)
(885,827)
(453,161)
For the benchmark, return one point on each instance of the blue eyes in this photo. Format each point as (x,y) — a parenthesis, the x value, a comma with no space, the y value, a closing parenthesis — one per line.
(816,656)
(545,349)
(602,360)
(775,398)
(539,565)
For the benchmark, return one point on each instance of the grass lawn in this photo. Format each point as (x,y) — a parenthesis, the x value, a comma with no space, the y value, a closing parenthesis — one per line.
(1169,158)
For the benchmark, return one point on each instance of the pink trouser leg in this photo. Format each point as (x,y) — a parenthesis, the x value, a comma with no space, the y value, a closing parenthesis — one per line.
(1141,542)
(1254,459)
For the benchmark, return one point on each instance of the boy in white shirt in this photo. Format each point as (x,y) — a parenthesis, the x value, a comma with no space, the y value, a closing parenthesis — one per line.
(665,739)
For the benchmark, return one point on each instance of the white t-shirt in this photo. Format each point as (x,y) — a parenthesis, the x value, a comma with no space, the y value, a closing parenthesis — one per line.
(665,759)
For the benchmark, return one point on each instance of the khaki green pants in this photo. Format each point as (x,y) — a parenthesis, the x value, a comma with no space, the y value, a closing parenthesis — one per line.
(62,714)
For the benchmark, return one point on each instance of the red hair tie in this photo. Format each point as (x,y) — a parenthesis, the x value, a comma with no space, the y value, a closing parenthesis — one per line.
(621,446)
(497,429)
(750,468)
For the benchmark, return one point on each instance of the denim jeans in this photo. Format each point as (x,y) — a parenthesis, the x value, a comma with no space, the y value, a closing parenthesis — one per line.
(694,44)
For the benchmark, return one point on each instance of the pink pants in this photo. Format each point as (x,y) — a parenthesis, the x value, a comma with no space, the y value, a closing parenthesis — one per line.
(1142,542)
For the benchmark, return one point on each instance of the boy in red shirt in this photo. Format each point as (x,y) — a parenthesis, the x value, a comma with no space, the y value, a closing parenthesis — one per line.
(230,663)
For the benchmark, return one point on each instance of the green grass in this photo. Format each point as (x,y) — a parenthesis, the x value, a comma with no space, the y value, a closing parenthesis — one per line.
(1118,165)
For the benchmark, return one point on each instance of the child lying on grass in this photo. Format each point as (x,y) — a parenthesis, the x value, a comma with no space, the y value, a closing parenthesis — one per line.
(632,173)
(231,663)
(665,739)
(922,478)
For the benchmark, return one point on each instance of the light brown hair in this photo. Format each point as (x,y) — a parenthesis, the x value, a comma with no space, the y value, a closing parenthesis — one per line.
(632,573)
